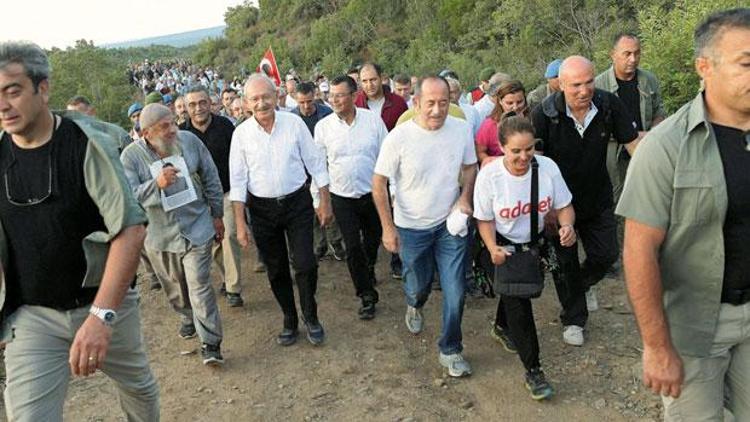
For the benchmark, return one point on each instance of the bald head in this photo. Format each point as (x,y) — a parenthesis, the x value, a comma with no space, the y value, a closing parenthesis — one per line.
(577,82)
(153,113)
(575,65)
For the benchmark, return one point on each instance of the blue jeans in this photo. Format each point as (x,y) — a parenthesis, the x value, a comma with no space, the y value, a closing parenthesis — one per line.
(421,250)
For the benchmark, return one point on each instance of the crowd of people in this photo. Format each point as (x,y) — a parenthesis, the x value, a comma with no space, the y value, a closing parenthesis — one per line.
(493,180)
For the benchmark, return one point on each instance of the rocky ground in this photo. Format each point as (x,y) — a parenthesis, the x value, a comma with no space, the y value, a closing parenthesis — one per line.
(376,370)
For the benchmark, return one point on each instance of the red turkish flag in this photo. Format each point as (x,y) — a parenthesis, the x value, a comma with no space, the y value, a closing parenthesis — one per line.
(268,66)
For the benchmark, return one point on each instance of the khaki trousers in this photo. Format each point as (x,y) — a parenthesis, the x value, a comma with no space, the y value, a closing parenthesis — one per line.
(227,255)
(36,363)
(721,379)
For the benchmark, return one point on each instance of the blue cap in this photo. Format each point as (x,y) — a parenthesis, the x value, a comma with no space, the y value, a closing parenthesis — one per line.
(553,69)
(134,108)
(167,99)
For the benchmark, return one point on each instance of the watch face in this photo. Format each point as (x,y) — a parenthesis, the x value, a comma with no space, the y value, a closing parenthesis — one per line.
(109,316)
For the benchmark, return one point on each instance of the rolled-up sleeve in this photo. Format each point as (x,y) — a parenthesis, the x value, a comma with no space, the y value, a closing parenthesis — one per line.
(146,192)
(109,189)
(238,171)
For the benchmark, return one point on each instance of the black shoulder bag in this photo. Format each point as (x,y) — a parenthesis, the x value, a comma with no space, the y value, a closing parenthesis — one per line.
(521,275)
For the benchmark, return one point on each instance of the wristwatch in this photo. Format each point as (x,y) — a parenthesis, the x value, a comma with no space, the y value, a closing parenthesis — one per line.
(108,316)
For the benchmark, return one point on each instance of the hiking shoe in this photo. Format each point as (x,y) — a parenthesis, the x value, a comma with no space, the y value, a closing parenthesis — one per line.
(187,331)
(414,320)
(592,304)
(397,274)
(502,338)
(235,300)
(211,354)
(573,335)
(315,334)
(456,364)
(287,337)
(259,267)
(537,385)
(367,311)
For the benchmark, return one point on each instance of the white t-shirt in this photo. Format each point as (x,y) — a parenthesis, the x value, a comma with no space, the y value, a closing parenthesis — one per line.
(505,198)
(424,166)
(376,105)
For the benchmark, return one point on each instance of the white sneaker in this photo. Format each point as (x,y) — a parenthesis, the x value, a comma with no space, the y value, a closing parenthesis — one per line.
(456,364)
(592,304)
(414,320)
(573,335)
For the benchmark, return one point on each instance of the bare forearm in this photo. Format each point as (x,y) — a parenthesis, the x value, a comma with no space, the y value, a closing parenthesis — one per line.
(119,271)
(239,215)
(640,259)
(487,232)
(468,177)
(380,197)
(630,147)
(566,216)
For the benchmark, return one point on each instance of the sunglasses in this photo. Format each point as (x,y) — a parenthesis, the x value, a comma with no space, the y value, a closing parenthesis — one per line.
(34,200)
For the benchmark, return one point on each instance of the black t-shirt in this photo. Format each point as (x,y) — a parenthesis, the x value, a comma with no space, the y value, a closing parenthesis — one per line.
(582,160)
(628,93)
(217,138)
(47,264)
(736,161)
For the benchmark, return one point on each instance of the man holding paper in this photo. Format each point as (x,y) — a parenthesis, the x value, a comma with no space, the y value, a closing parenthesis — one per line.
(183,223)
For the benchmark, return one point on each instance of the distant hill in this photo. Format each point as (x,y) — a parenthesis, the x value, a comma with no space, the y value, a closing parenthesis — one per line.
(182,39)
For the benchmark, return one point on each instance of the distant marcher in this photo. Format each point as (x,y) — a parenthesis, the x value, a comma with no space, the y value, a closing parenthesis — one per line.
(538,94)
(81,104)
(487,103)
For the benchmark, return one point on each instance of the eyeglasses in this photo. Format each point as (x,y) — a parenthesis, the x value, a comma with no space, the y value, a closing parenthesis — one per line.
(27,202)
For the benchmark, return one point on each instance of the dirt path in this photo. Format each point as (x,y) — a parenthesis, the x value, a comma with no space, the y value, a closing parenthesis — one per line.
(377,370)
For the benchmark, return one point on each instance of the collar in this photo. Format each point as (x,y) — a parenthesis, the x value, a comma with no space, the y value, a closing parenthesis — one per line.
(342,121)
(697,113)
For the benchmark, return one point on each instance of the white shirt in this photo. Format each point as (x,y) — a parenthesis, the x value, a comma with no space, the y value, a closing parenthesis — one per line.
(351,150)
(506,199)
(484,107)
(424,165)
(291,103)
(581,127)
(472,117)
(273,165)
(376,105)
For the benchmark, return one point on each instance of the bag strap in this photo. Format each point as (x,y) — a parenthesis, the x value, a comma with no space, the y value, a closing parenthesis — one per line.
(534,201)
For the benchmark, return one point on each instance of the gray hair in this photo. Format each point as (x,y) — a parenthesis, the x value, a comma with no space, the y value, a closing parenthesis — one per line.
(192,89)
(153,113)
(496,80)
(27,54)
(707,33)
(259,77)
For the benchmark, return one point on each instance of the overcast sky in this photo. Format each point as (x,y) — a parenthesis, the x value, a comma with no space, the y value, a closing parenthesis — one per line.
(60,23)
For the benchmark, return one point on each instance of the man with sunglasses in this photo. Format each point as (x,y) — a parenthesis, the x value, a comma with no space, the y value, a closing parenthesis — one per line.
(70,233)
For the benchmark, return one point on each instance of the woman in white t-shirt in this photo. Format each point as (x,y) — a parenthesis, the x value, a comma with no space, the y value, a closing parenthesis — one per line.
(502,209)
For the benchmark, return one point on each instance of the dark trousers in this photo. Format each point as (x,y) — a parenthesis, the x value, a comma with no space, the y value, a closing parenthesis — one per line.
(515,316)
(275,222)
(598,236)
(568,284)
(361,231)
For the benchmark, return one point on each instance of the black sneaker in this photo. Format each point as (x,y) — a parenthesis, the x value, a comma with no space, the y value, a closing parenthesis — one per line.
(502,338)
(154,284)
(397,274)
(235,300)
(367,311)
(223,289)
(211,354)
(187,331)
(315,334)
(287,337)
(538,385)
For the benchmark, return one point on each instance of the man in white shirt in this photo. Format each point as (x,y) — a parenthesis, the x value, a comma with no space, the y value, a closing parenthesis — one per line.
(351,139)
(268,159)
(423,158)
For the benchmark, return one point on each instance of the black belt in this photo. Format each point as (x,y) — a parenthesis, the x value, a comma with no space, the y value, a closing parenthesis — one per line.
(280,199)
(735,296)
(523,247)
